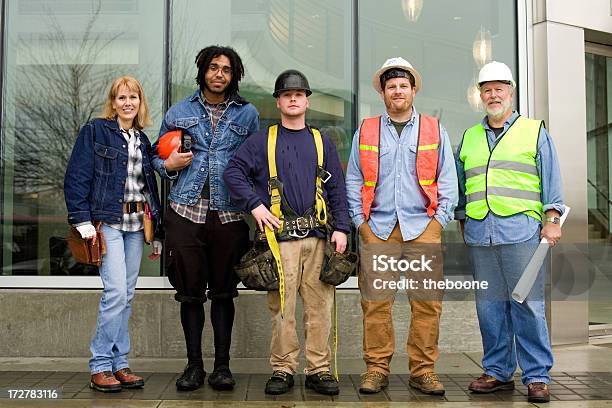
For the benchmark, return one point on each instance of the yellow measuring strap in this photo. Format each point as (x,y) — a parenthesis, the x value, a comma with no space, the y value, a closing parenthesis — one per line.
(335,337)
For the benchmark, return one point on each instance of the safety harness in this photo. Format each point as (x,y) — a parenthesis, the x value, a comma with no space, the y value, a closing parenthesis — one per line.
(291,224)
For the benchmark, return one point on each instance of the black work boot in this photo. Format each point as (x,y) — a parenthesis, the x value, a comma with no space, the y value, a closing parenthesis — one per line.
(279,383)
(221,379)
(192,378)
(323,383)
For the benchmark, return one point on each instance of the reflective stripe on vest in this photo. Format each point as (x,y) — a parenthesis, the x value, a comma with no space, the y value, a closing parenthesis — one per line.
(504,180)
(426,160)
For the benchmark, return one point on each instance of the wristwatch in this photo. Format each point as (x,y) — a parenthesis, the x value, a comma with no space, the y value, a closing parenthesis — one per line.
(554,220)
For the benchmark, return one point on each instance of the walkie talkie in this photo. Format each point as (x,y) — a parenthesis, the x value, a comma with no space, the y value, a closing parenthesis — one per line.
(185,143)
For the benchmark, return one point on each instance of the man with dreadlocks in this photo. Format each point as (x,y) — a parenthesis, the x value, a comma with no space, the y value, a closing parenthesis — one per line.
(206,234)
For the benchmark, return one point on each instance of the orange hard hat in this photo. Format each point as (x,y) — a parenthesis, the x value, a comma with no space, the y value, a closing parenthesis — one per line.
(168,142)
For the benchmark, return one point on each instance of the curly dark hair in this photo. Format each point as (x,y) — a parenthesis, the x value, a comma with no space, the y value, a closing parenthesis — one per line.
(206,55)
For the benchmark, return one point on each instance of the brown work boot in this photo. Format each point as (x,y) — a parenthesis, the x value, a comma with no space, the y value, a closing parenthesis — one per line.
(105,382)
(128,379)
(487,383)
(428,383)
(372,382)
(538,392)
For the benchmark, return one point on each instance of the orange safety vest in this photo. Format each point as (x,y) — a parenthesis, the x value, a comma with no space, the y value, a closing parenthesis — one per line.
(426,160)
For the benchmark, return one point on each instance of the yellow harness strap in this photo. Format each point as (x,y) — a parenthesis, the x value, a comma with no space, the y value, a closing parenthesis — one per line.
(275,209)
(320,209)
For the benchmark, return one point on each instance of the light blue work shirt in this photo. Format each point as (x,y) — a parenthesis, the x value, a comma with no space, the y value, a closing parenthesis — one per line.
(398,195)
(496,230)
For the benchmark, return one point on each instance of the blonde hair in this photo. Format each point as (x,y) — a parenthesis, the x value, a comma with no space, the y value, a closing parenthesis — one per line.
(142,118)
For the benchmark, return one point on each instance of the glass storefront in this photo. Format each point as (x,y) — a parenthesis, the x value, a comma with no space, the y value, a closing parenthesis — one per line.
(598,64)
(60,56)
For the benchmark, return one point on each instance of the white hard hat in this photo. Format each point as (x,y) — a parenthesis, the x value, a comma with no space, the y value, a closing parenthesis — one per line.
(495,71)
(396,62)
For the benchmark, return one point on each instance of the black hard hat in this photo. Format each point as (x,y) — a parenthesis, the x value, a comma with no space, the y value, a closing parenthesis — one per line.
(291,79)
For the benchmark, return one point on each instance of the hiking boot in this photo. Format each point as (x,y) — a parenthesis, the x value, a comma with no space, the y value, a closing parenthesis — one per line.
(104,381)
(323,383)
(538,392)
(428,383)
(221,379)
(372,382)
(279,383)
(192,378)
(128,379)
(487,383)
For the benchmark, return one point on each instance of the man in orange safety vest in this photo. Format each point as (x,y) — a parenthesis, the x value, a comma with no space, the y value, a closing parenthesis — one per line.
(402,190)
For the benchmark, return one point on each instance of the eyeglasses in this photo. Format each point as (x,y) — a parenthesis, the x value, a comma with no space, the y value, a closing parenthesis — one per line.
(224,69)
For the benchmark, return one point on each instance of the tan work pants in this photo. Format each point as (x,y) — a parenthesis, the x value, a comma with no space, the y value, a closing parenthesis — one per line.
(302,261)
(377,305)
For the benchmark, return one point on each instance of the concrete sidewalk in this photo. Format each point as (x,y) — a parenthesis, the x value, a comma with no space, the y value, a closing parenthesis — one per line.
(582,377)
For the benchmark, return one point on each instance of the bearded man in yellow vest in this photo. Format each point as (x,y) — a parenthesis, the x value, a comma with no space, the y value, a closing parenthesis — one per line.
(510,198)
(402,191)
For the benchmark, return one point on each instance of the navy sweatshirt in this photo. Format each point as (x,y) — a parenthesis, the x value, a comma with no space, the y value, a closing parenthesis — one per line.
(296,165)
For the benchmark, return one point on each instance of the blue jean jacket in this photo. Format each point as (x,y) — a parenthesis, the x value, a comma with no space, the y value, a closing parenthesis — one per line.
(94,184)
(211,150)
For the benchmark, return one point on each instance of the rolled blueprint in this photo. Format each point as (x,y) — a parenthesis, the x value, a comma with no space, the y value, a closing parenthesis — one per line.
(524,285)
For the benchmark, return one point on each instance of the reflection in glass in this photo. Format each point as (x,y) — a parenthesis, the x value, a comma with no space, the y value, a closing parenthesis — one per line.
(483,47)
(598,69)
(60,57)
(440,46)
(271,36)
(473,97)
(412,9)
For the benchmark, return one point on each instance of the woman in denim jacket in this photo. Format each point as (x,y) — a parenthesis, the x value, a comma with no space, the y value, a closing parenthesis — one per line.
(110,179)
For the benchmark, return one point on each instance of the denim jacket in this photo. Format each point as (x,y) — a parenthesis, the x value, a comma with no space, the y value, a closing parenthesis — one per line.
(95,177)
(211,150)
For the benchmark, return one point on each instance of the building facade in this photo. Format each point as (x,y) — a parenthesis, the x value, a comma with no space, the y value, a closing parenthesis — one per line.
(59,56)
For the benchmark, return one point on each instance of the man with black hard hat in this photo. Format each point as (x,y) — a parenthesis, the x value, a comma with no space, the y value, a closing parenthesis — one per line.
(290,199)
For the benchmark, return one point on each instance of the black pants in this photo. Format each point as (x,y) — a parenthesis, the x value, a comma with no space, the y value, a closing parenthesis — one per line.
(201,257)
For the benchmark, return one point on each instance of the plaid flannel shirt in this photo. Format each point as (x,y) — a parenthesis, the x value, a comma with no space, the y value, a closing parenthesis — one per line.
(134,183)
(197,213)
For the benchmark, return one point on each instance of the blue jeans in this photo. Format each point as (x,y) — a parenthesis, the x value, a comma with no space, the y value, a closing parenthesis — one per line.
(509,329)
(119,272)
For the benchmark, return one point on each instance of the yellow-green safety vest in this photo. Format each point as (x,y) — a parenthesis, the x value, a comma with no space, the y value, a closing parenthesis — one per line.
(503,180)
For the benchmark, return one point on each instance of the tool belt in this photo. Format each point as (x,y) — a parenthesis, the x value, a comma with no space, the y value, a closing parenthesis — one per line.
(133,207)
(257,268)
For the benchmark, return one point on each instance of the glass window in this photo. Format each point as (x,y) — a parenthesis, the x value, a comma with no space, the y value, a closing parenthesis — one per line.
(271,36)
(60,58)
(598,69)
(447,41)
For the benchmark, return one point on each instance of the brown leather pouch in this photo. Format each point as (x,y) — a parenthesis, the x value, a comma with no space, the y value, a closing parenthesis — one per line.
(84,250)
(147,222)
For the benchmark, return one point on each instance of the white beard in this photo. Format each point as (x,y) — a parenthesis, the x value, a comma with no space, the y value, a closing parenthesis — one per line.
(498,113)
